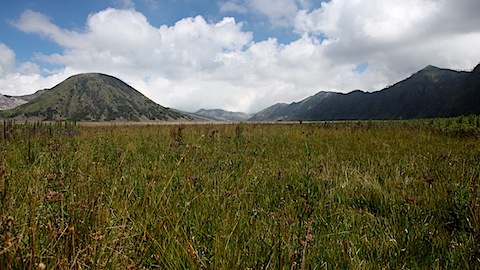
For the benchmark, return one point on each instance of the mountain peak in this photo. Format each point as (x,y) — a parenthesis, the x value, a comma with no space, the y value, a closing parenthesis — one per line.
(430,68)
(93,97)
(93,76)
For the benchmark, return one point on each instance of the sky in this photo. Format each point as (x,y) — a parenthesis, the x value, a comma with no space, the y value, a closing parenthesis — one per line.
(236,55)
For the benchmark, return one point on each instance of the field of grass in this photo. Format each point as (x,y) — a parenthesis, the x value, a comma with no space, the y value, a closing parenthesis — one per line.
(353,195)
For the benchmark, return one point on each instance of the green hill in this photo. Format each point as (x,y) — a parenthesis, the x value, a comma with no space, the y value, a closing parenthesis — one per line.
(93,97)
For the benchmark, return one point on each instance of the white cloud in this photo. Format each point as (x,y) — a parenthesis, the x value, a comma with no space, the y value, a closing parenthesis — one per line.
(196,63)
(7,60)
(368,23)
(233,6)
(37,23)
(399,37)
(280,12)
(24,78)
(306,4)
(17,83)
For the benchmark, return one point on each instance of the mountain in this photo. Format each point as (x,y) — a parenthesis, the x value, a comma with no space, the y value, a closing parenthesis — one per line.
(467,101)
(93,97)
(10,102)
(221,115)
(32,96)
(431,92)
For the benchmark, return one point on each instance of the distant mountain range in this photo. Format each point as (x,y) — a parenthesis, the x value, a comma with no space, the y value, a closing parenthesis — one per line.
(431,92)
(91,97)
(221,115)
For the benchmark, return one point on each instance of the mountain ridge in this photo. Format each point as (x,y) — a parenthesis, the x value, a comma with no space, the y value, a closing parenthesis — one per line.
(430,92)
(223,115)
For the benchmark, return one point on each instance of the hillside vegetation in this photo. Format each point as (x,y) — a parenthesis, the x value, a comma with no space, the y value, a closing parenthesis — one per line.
(93,97)
(358,195)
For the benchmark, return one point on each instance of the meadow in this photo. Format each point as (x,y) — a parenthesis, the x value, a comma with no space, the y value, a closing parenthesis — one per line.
(348,195)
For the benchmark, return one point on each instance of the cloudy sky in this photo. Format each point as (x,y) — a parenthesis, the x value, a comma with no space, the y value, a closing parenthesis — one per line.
(239,55)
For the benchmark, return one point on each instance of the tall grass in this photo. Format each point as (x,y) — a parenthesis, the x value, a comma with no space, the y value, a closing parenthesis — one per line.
(356,195)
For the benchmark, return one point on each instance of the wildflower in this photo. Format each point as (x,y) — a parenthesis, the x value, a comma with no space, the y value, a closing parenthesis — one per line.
(195,180)
(429,179)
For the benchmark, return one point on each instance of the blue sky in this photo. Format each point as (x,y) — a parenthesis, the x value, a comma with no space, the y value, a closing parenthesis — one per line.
(241,55)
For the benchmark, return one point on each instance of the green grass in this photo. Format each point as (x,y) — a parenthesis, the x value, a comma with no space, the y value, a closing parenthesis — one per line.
(357,195)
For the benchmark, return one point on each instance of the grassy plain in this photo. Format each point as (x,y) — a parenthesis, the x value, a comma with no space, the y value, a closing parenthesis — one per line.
(352,195)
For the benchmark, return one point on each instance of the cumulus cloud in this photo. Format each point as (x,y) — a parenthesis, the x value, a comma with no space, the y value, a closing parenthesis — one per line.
(387,33)
(194,63)
(24,78)
(7,60)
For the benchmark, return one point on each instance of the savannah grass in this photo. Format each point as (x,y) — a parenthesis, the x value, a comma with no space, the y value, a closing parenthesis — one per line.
(358,195)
